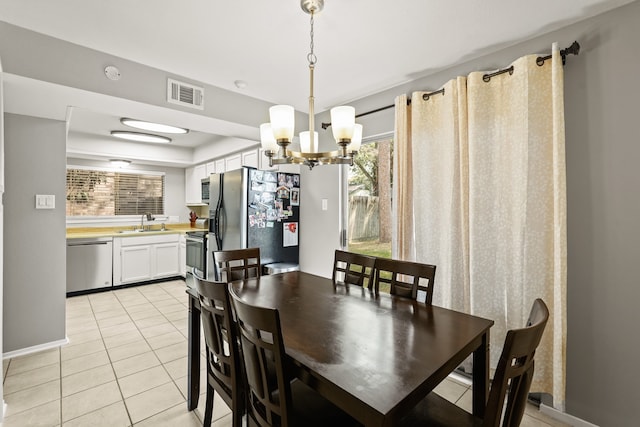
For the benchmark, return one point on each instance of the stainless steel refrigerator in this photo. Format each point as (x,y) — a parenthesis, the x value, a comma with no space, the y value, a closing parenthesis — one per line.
(254,208)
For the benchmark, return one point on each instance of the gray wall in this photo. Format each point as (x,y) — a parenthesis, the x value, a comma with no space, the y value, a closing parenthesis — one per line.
(319,230)
(35,252)
(603,182)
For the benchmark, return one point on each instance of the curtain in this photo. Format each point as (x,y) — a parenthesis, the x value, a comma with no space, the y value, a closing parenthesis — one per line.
(489,197)
(402,242)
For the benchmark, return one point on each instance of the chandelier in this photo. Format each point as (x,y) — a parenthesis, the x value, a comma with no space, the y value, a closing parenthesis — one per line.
(278,134)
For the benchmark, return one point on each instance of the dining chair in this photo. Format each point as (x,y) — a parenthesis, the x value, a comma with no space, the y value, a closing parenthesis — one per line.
(224,364)
(237,264)
(405,278)
(280,399)
(353,269)
(512,381)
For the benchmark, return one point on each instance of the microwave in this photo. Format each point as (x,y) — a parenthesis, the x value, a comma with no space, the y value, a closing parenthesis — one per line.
(204,190)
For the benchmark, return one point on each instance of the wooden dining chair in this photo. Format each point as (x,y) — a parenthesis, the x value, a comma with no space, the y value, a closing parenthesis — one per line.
(280,399)
(353,269)
(405,278)
(512,381)
(224,364)
(237,264)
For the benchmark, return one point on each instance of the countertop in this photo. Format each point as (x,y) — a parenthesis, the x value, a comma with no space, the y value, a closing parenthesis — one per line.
(90,232)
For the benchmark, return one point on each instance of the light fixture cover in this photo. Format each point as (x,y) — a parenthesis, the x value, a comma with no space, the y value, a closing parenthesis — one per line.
(356,140)
(266,137)
(342,120)
(140,137)
(120,163)
(153,127)
(305,142)
(282,118)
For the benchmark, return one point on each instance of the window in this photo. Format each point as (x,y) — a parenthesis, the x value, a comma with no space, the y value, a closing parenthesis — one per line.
(369,200)
(93,192)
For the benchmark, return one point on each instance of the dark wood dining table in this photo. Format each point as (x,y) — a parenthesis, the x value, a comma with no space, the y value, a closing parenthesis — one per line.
(374,356)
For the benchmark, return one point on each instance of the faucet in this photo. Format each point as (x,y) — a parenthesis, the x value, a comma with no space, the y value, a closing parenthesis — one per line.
(149,218)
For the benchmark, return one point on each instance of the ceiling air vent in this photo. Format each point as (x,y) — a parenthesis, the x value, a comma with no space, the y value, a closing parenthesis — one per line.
(185,94)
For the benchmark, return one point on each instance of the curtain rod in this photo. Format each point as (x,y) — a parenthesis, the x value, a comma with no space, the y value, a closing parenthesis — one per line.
(574,49)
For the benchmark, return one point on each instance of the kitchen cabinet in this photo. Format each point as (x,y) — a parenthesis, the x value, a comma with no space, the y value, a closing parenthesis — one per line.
(233,162)
(250,158)
(220,163)
(139,259)
(210,168)
(182,252)
(192,178)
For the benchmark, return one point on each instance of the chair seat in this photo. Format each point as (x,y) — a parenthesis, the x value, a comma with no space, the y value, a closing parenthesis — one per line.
(440,413)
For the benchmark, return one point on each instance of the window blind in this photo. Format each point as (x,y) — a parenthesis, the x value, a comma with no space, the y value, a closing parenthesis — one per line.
(104,193)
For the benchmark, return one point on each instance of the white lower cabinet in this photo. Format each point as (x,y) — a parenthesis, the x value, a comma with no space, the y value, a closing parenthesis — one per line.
(166,259)
(182,255)
(138,259)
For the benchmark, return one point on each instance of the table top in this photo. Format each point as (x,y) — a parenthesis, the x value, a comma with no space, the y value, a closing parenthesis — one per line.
(376,356)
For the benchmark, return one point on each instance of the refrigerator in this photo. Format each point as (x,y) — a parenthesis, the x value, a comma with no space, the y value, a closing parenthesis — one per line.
(254,208)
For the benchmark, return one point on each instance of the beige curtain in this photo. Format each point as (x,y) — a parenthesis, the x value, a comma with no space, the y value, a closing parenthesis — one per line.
(490,202)
(440,189)
(402,242)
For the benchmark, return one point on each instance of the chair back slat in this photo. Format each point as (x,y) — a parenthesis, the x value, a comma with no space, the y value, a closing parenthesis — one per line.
(404,278)
(237,264)
(353,269)
(220,333)
(514,372)
(269,396)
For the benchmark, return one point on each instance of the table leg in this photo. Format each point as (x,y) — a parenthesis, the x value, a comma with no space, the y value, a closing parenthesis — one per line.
(481,376)
(193,356)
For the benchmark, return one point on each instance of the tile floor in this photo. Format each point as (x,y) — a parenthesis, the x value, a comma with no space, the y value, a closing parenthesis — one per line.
(126,365)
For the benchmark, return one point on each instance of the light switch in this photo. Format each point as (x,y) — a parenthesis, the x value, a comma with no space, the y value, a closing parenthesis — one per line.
(324,204)
(45,201)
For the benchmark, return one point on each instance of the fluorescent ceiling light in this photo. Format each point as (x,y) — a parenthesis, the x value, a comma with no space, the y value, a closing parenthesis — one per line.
(120,163)
(140,137)
(153,127)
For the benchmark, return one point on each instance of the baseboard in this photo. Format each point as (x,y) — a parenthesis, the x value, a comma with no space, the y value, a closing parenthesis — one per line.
(4,411)
(564,417)
(35,348)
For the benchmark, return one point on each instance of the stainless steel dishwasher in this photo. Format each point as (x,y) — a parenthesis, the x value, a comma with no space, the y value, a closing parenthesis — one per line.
(89,264)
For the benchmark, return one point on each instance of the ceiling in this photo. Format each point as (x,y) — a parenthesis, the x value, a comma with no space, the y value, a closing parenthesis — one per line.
(362,49)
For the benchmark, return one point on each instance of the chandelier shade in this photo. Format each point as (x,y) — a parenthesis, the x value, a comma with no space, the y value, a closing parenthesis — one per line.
(278,134)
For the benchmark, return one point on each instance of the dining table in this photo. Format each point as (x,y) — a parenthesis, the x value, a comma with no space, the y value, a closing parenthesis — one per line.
(373,355)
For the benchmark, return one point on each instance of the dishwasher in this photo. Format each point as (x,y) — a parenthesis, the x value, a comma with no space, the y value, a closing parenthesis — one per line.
(89,264)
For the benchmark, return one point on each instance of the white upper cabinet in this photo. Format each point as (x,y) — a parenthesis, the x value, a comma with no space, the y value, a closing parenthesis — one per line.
(211,168)
(233,162)
(192,179)
(250,158)
(220,164)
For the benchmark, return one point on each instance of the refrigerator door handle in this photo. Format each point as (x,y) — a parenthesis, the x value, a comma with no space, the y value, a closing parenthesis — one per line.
(222,226)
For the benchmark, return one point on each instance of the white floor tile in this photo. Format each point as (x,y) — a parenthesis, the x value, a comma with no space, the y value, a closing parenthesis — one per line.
(90,400)
(154,401)
(114,415)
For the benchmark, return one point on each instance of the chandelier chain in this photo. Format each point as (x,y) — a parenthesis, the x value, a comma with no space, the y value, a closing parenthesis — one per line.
(311,57)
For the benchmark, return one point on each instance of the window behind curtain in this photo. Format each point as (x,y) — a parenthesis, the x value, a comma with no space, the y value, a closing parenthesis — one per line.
(369,199)
(105,193)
